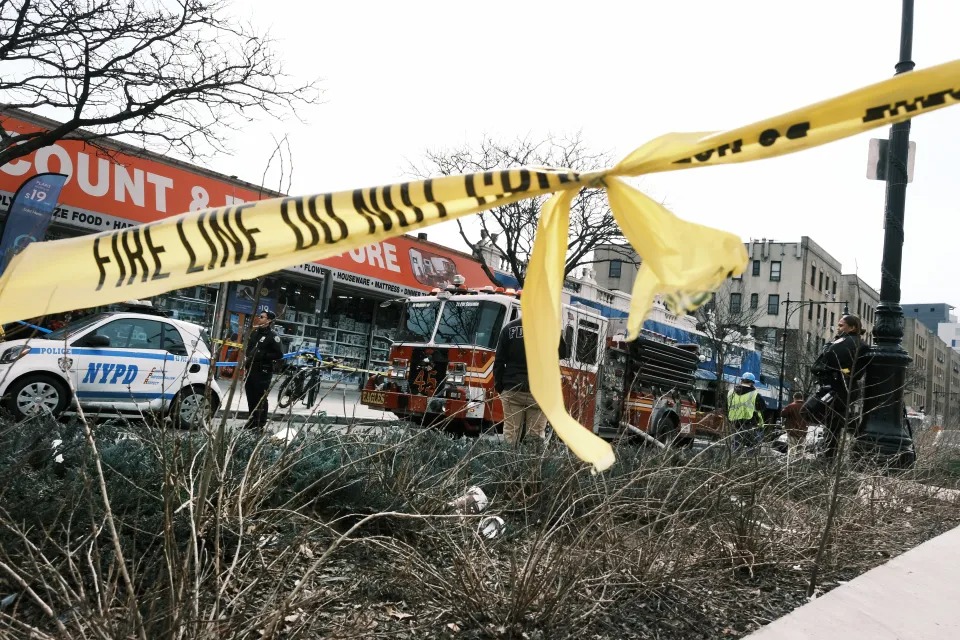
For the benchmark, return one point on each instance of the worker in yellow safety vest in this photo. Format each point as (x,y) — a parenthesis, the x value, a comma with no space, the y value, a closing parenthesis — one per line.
(745,413)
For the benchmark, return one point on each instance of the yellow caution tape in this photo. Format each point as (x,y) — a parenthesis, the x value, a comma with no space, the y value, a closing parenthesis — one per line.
(681,261)
(239,345)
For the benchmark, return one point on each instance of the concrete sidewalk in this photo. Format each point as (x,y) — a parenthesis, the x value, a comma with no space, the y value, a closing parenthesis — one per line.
(912,597)
(339,404)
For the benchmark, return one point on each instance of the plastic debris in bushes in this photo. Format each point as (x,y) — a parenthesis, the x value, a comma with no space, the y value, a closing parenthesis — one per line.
(474,500)
(491,527)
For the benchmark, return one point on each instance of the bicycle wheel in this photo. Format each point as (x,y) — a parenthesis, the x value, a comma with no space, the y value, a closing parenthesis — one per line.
(289,391)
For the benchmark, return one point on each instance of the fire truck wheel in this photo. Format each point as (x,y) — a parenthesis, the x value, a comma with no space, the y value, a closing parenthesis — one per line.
(668,431)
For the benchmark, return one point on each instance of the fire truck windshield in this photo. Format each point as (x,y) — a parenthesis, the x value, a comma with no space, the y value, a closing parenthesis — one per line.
(470,322)
(419,319)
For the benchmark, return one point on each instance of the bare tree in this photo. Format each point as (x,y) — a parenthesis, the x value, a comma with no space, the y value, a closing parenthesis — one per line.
(798,364)
(166,73)
(725,322)
(510,229)
(915,381)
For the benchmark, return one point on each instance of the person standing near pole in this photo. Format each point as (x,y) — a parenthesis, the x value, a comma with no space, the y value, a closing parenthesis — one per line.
(837,370)
(745,410)
(262,351)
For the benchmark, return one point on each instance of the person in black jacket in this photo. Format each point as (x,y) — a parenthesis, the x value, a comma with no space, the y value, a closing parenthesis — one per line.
(511,382)
(262,351)
(837,370)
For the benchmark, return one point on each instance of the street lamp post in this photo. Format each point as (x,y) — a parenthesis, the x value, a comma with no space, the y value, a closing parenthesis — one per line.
(800,304)
(884,434)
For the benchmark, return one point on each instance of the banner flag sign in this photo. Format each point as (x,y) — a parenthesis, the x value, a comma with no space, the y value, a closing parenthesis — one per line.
(30,213)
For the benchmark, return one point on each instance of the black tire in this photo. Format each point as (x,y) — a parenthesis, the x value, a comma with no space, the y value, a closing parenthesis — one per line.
(38,394)
(668,431)
(193,406)
(289,391)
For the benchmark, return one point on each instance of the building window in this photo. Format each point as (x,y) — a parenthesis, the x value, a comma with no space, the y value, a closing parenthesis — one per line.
(775,271)
(615,268)
(820,288)
(773,304)
(735,302)
(833,289)
(754,300)
(832,316)
(756,267)
(810,312)
(813,276)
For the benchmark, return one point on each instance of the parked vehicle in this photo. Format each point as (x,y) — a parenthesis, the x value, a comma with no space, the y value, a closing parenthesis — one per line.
(441,370)
(118,362)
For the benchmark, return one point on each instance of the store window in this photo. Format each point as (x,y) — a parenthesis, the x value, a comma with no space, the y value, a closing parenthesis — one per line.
(193,304)
(346,332)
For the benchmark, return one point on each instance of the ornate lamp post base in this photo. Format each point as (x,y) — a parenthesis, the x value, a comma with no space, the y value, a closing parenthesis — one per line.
(883,436)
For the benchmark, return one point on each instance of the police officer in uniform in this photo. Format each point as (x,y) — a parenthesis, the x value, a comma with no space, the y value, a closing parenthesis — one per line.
(745,410)
(262,351)
(837,369)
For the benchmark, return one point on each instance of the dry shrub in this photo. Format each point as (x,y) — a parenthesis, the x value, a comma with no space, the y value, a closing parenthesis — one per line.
(348,533)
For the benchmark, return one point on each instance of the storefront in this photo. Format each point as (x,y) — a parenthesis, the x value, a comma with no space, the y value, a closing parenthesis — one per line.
(337,306)
(344,306)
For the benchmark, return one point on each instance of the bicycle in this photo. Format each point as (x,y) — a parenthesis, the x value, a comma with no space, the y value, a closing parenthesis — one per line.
(303,382)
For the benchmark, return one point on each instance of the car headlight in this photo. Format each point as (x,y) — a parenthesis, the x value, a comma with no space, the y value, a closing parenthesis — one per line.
(13,354)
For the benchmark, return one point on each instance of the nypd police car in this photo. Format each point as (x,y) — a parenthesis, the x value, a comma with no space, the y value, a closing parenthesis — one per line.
(123,362)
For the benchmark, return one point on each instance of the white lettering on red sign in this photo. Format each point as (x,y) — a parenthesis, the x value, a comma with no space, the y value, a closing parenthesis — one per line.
(382,255)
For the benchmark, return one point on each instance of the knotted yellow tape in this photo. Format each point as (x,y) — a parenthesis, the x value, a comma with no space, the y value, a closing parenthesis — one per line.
(681,261)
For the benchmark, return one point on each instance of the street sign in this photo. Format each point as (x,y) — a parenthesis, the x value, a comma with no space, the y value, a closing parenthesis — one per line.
(877,159)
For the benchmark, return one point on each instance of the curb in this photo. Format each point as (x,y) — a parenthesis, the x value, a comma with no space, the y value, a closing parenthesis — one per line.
(316,418)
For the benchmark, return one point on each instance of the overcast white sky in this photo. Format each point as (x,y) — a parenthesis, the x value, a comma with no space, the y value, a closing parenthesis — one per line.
(402,77)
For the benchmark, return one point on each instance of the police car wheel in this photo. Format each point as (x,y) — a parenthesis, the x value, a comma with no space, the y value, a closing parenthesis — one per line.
(37,395)
(191,407)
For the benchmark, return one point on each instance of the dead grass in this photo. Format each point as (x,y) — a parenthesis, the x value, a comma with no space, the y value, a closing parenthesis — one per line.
(349,534)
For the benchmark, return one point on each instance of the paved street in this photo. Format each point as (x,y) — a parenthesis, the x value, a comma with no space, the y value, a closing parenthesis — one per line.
(340,402)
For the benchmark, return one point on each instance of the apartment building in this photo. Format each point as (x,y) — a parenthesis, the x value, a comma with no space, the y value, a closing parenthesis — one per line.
(616,267)
(862,300)
(951,405)
(803,291)
(930,314)
(917,340)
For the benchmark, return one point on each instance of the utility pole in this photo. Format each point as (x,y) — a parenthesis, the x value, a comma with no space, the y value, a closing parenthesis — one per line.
(783,353)
(884,434)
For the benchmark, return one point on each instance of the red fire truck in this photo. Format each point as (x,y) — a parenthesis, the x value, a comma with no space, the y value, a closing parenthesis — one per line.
(441,370)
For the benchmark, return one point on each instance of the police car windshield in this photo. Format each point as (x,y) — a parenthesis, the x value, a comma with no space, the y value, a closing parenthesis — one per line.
(470,322)
(73,327)
(418,321)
